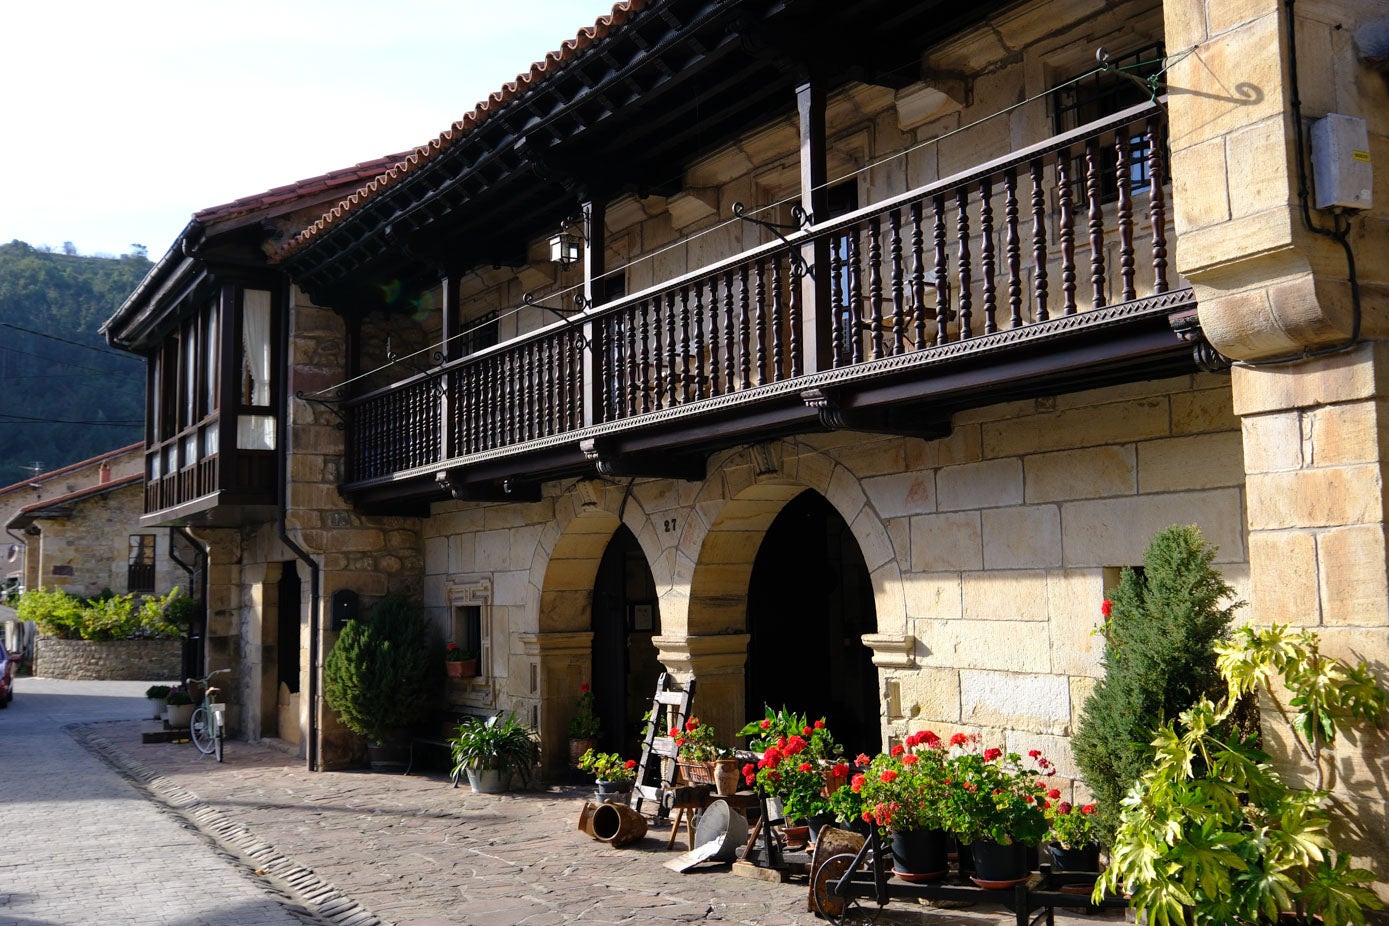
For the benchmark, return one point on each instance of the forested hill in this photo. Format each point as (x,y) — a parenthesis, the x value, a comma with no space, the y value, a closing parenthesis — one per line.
(64,395)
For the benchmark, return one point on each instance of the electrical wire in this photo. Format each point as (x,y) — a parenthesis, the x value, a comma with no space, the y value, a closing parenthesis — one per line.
(441,347)
(120,354)
(71,366)
(26,419)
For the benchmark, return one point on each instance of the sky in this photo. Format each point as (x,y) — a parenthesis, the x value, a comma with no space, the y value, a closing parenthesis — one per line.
(123,119)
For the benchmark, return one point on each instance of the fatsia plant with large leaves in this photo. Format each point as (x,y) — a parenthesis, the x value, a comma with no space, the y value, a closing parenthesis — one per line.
(1211,829)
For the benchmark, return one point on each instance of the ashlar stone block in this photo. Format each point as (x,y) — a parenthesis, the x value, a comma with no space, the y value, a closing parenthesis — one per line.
(1095,472)
(901,494)
(1116,531)
(1005,595)
(947,542)
(1009,701)
(987,484)
(1022,538)
(1354,582)
(996,645)
(1199,461)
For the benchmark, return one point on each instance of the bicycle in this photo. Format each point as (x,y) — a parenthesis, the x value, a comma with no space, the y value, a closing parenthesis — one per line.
(209,724)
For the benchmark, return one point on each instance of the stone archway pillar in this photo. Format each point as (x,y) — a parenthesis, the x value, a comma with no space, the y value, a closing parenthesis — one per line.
(556,665)
(716,662)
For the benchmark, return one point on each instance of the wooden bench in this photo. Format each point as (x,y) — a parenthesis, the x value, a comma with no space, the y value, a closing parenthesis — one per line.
(438,731)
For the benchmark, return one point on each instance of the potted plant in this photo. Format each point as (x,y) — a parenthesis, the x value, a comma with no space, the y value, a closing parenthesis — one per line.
(1073,837)
(179,707)
(905,792)
(613,774)
(156,695)
(1212,834)
(584,726)
(697,748)
(997,803)
(492,751)
(460,663)
(377,677)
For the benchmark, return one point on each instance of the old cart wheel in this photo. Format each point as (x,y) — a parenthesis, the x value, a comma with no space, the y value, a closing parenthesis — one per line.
(827,903)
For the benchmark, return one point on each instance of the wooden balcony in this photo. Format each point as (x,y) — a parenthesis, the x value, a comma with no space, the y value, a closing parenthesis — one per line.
(1041,271)
(189,480)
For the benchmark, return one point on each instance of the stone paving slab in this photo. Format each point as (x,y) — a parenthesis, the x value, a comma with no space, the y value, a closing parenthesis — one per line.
(371,848)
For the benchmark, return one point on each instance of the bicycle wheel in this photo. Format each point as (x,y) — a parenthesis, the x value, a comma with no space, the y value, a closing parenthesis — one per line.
(203,731)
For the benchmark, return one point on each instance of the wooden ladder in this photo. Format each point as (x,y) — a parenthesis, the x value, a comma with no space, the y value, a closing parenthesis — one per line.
(669,709)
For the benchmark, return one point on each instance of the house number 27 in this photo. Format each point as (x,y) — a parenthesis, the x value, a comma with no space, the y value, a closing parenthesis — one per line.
(669,524)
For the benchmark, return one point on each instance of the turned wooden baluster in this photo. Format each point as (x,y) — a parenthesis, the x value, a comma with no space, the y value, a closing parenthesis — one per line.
(644,360)
(697,384)
(894,241)
(729,344)
(837,297)
(1157,205)
(760,321)
(875,284)
(964,270)
(713,337)
(744,356)
(1011,246)
(1125,214)
(778,313)
(942,272)
(986,255)
(918,279)
(672,372)
(576,392)
(1039,242)
(633,367)
(1067,233)
(855,330)
(1096,216)
(684,366)
(797,311)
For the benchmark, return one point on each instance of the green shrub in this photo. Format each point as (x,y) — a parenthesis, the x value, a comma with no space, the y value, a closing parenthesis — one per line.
(377,677)
(107,616)
(1159,660)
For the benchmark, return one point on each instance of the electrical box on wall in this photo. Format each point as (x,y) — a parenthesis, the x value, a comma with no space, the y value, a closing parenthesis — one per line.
(1341,163)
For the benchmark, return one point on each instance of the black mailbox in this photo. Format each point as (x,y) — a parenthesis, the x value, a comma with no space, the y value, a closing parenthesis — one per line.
(345,607)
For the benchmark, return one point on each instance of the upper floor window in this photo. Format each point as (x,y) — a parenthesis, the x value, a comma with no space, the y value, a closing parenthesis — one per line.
(478,333)
(1094,96)
(255,422)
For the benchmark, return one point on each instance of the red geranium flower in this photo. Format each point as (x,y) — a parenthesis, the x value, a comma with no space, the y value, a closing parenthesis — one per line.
(897,750)
(889,776)
(807,731)
(1106,607)
(819,725)
(692,724)
(857,783)
(583,689)
(766,724)
(1064,808)
(630,763)
(861,759)
(840,769)
(1087,808)
(1054,793)
(959,739)
(910,759)
(804,767)
(674,731)
(1034,753)
(992,753)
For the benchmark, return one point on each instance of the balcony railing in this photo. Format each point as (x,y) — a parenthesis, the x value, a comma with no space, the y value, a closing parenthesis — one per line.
(1063,227)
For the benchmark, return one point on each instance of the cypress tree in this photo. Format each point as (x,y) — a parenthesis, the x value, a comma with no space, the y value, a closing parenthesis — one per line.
(1159,658)
(378,675)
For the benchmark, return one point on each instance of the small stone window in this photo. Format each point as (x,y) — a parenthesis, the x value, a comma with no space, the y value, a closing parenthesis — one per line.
(140,572)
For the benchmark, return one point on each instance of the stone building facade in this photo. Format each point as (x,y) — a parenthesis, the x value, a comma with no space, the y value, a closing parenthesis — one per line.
(929,569)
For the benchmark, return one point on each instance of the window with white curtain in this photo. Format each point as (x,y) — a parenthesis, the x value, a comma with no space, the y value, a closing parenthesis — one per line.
(255,431)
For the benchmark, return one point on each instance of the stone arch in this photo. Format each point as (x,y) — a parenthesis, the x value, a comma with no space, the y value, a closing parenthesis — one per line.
(559,640)
(713,644)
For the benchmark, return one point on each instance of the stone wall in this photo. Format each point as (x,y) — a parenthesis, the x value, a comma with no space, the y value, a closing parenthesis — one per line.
(89,550)
(989,552)
(153,660)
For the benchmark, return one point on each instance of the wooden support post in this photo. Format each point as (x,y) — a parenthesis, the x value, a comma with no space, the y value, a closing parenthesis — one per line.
(816,315)
(594,221)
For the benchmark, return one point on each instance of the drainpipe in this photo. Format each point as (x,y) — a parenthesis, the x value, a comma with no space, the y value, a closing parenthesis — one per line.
(282,503)
(190,669)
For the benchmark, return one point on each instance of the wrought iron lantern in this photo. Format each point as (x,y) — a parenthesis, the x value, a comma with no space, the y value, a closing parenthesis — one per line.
(564,247)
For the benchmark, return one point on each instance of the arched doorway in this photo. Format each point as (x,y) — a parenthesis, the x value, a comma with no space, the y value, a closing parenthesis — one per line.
(810,601)
(625,618)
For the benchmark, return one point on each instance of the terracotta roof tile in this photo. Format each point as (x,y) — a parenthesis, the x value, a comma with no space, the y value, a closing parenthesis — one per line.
(540,71)
(299,189)
(26,515)
(63,470)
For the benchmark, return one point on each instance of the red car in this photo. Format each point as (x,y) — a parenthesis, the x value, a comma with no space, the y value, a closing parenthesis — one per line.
(7,664)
